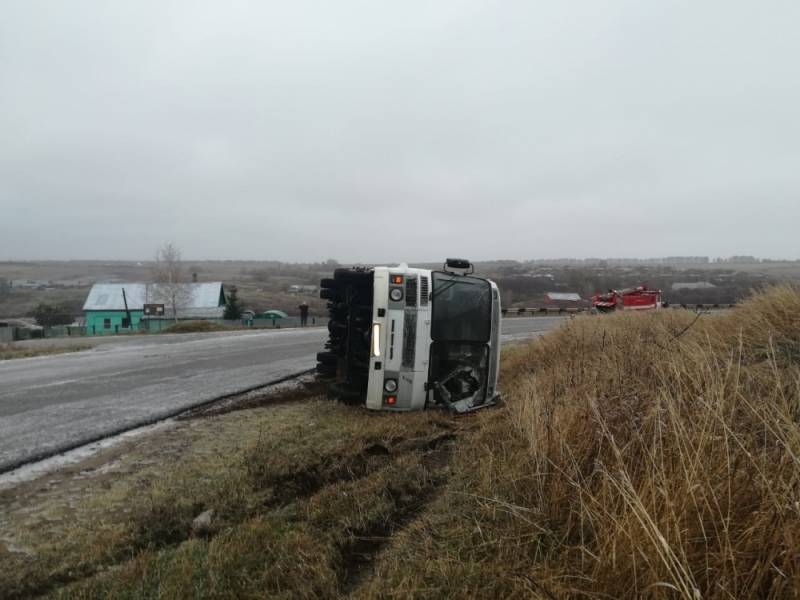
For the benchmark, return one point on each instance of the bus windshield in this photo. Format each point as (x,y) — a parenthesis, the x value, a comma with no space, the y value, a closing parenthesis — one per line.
(462,309)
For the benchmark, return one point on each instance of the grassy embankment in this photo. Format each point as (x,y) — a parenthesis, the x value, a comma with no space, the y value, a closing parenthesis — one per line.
(9,351)
(649,455)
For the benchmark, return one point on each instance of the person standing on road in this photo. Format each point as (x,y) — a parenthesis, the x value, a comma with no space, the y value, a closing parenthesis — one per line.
(303,314)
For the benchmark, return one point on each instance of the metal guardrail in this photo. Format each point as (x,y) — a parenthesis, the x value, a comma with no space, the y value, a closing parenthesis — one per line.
(702,306)
(543,310)
(553,310)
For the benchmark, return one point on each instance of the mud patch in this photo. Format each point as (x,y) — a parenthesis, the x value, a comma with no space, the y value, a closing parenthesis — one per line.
(310,479)
(424,443)
(376,450)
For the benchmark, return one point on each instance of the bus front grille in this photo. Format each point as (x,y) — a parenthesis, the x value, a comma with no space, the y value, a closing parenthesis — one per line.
(409,338)
(411,291)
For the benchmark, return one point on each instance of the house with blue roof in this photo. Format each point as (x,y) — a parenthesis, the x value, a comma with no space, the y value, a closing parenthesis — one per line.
(124,307)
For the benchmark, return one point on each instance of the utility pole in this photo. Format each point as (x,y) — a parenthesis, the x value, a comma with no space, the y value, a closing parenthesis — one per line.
(127,312)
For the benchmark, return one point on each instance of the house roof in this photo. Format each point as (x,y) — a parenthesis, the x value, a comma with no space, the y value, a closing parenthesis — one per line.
(692,285)
(568,296)
(201,298)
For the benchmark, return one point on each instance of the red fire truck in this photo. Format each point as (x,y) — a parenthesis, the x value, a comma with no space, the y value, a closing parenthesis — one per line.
(638,298)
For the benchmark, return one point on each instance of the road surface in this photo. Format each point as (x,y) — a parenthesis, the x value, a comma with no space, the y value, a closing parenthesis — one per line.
(53,403)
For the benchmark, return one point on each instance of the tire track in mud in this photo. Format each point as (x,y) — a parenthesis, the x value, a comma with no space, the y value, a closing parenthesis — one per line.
(360,547)
(360,553)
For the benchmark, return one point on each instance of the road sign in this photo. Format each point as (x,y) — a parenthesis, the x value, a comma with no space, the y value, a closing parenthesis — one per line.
(154,310)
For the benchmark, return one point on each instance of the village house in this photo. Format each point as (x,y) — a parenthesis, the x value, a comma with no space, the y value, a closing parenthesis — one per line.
(123,307)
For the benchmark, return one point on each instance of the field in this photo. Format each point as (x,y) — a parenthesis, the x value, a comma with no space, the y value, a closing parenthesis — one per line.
(263,284)
(647,455)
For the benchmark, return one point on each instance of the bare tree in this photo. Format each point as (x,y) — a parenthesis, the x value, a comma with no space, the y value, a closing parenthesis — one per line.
(169,275)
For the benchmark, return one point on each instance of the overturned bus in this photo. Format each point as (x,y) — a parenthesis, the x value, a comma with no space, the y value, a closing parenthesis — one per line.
(402,338)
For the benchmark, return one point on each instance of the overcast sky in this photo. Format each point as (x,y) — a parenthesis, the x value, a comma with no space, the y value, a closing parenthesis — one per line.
(403,130)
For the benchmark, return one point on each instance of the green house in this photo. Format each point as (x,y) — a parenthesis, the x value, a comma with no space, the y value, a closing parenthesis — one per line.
(114,308)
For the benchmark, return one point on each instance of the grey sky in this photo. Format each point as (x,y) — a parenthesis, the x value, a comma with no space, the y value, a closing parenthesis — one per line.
(399,130)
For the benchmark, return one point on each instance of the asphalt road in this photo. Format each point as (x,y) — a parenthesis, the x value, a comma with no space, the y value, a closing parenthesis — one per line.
(53,403)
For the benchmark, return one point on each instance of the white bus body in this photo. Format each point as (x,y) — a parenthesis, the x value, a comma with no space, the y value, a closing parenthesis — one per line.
(433,337)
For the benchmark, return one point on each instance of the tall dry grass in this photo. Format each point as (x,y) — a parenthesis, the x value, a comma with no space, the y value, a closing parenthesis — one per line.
(666,452)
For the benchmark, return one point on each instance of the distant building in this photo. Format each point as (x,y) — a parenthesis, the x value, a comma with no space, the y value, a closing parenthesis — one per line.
(69,283)
(6,332)
(18,329)
(692,285)
(562,297)
(106,313)
(31,284)
(563,300)
(308,290)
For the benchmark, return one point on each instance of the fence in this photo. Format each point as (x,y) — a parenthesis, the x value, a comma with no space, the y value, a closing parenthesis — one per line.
(159,325)
(550,310)
(13,334)
(283,323)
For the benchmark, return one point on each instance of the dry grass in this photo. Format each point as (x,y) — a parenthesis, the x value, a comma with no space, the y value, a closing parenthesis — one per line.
(9,351)
(666,450)
(644,455)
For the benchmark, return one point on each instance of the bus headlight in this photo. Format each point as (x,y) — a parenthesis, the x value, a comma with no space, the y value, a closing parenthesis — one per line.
(390,385)
(376,339)
(396,294)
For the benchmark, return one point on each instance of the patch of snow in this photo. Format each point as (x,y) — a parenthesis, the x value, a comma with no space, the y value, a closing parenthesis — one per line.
(50,465)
